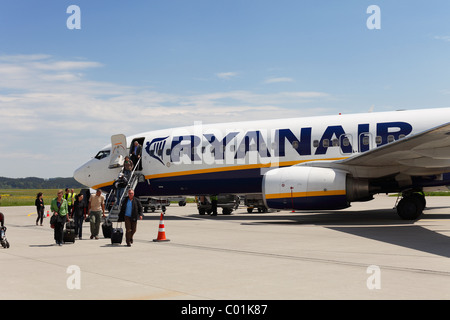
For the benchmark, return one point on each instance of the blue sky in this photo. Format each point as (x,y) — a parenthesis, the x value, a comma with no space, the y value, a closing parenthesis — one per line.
(139,65)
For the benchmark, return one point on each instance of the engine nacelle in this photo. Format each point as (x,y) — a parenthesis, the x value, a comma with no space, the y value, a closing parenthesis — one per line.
(312,188)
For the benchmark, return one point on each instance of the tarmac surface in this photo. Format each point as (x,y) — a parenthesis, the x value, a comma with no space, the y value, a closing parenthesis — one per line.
(363,252)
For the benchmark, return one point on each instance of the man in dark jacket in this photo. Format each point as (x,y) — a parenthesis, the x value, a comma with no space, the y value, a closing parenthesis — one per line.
(130,211)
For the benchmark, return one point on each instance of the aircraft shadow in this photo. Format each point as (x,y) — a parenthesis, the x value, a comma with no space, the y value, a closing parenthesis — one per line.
(380,225)
(409,236)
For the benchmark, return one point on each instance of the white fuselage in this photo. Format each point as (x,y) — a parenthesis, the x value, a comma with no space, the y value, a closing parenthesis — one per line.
(220,158)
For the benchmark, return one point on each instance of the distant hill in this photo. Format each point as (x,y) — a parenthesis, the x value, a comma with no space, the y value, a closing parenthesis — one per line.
(39,183)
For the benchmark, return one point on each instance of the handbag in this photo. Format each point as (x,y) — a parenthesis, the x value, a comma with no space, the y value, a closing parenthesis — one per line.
(53,221)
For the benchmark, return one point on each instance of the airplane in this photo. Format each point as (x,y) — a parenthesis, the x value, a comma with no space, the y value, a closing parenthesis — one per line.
(311,163)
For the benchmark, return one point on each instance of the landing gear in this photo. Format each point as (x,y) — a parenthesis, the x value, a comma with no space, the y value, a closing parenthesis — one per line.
(411,205)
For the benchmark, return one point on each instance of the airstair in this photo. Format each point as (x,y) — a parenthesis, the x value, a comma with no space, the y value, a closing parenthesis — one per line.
(133,180)
(118,153)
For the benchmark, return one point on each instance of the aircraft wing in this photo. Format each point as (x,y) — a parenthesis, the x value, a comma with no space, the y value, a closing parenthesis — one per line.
(425,153)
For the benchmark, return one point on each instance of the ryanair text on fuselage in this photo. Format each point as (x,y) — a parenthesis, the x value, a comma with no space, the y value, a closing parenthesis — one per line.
(234,146)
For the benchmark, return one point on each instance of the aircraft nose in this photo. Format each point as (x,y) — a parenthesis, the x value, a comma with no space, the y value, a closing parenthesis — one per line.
(81,175)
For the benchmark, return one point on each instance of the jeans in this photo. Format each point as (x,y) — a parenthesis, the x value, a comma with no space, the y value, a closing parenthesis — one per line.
(40,215)
(78,224)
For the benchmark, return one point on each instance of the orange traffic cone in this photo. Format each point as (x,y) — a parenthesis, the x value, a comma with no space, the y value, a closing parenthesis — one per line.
(48,214)
(161,231)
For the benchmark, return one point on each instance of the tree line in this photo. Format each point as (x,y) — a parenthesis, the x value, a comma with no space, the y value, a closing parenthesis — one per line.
(39,183)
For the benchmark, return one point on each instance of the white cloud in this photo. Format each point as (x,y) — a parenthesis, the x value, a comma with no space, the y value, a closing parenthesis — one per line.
(227,75)
(442,38)
(278,80)
(50,110)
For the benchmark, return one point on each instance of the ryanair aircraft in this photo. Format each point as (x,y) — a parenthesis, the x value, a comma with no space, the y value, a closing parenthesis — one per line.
(311,163)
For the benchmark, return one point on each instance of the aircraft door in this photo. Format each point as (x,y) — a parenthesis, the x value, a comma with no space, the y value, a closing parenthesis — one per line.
(137,158)
(365,142)
(118,150)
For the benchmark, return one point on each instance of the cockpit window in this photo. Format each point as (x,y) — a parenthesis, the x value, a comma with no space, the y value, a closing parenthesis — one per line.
(102,154)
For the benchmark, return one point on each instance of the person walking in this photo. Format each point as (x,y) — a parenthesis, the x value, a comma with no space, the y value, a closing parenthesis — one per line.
(120,184)
(127,167)
(130,211)
(96,209)
(60,209)
(39,203)
(79,214)
(136,151)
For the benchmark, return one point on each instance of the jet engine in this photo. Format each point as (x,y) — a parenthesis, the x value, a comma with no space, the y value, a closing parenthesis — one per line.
(312,188)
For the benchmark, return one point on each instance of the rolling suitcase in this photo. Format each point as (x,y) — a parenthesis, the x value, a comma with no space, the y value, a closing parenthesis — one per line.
(70,224)
(117,234)
(69,232)
(107,228)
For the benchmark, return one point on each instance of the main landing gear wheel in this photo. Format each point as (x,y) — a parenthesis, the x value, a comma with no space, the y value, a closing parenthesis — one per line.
(411,206)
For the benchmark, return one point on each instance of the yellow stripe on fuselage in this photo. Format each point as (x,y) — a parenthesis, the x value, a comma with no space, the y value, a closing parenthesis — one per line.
(222,169)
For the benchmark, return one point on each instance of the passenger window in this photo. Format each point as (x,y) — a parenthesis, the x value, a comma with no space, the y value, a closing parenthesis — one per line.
(326,143)
(335,142)
(391,138)
(295,144)
(316,143)
(365,141)
(378,140)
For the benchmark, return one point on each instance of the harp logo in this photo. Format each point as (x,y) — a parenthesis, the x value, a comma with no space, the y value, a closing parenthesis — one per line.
(155,149)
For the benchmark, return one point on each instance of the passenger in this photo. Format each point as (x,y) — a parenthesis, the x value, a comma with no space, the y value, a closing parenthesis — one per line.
(39,203)
(120,184)
(60,209)
(79,214)
(136,155)
(96,207)
(130,210)
(127,167)
(2,217)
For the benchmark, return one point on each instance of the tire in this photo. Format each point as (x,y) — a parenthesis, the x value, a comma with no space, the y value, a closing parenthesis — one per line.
(410,208)
(227,211)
